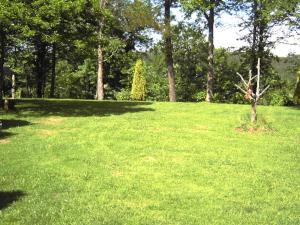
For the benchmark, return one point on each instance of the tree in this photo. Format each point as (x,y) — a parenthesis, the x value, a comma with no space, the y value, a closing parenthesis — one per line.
(169,50)
(101,20)
(209,9)
(139,82)
(10,29)
(250,95)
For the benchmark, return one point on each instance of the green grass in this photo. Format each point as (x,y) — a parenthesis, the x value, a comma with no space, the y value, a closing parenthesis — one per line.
(83,162)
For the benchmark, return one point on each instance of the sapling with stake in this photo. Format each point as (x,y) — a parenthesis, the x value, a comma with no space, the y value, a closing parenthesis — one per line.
(249,93)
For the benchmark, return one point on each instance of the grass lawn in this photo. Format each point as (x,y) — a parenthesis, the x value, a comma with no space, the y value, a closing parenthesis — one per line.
(83,162)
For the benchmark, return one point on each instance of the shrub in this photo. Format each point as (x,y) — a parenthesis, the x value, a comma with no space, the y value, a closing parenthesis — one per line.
(277,98)
(200,96)
(139,82)
(123,95)
(297,90)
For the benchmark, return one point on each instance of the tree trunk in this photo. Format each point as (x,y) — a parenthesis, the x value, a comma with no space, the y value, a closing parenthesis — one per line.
(169,51)
(2,59)
(53,71)
(210,76)
(13,87)
(100,74)
(100,85)
(253,114)
(40,70)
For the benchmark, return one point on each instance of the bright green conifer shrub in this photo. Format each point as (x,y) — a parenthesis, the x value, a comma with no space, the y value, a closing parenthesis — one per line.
(139,82)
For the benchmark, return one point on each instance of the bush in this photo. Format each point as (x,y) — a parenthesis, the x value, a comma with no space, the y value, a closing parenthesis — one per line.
(139,82)
(123,95)
(199,96)
(297,90)
(277,98)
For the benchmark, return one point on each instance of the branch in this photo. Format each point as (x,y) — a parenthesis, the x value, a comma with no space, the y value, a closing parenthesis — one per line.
(245,92)
(243,80)
(263,91)
(253,77)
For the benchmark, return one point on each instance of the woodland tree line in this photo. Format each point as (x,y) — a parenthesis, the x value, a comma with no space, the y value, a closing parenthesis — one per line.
(88,48)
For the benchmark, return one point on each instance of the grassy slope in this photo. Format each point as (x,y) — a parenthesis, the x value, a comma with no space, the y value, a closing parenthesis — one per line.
(79,162)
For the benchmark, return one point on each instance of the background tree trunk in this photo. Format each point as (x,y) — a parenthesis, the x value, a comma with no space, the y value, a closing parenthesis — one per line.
(13,86)
(169,51)
(53,71)
(210,76)
(100,85)
(100,74)
(2,59)
(40,70)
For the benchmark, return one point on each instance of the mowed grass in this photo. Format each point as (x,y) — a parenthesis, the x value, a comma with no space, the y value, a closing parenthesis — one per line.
(84,162)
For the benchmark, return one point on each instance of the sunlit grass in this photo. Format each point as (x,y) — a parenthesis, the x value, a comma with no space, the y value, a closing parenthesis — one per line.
(83,162)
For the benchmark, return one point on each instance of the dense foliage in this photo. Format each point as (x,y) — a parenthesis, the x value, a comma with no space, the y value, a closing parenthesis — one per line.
(53,48)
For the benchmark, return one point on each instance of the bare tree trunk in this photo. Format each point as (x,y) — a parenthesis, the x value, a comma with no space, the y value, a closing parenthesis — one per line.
(13,87)
(53,72)
(2,59)
(210,76)
(169,51)
(100,85)
(253,112)
(100,73)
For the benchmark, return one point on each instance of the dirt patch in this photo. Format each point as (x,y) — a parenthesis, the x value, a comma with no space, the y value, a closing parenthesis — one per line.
(4,142)
(52,121)
(252,130)
(117,173)
(47,133)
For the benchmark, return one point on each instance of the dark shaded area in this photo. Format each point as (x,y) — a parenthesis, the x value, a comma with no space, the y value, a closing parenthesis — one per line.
(7,198)
(80,108)
(6,124)
(4,134)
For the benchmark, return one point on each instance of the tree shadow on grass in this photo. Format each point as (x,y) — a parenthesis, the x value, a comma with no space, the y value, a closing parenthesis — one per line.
(7,198)
(79,108)
(6,124)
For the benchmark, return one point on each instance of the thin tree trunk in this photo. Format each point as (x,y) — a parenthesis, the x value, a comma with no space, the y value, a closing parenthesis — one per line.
(100,84)
(254,113)
(53,71)
(40,71)
(169,51)
(100,73)
(13,86)
(2,59)
(210,76)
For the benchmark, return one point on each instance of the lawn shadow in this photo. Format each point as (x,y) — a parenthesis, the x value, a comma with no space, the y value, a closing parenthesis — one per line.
(79,108)
(6,124)
(7,198)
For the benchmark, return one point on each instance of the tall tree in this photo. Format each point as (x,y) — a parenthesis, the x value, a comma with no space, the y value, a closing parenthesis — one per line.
(100,73)
(169,50)
(209,9)
(10,14)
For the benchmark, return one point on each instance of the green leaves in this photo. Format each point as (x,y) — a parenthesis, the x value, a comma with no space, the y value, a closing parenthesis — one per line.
(139,82)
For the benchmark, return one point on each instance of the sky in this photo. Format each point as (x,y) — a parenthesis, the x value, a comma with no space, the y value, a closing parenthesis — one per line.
(228,35)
